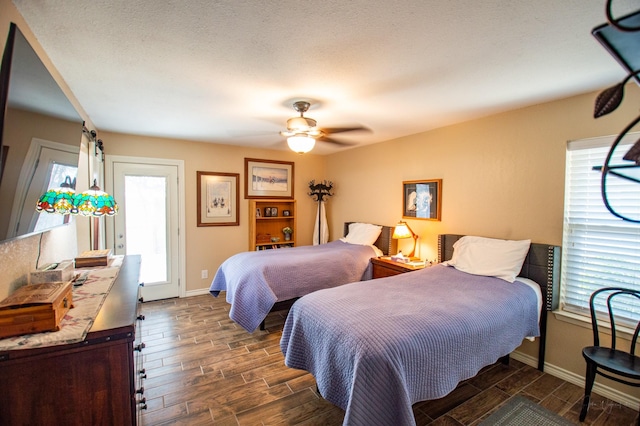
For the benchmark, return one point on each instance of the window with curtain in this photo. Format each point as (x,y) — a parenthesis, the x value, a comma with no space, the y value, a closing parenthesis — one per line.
(599,249)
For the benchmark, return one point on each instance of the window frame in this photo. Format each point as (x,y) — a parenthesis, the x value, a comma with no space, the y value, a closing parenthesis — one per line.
(595,242)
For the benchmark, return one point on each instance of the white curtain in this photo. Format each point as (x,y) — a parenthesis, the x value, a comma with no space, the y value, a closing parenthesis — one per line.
(321,221)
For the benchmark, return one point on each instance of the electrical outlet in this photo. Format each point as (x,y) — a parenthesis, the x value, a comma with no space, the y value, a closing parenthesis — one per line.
(204,273)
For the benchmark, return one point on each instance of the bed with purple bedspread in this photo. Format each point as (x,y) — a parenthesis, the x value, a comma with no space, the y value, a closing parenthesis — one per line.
(377,347)
(255,281)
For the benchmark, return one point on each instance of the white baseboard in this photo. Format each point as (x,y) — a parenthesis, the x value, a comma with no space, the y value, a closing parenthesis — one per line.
(524,358)
(198,292)
(578,380)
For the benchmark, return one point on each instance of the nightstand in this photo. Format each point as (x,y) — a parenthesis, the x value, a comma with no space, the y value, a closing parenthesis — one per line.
(385,267)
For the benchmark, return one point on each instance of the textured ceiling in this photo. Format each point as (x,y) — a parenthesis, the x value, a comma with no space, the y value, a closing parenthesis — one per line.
(228,71)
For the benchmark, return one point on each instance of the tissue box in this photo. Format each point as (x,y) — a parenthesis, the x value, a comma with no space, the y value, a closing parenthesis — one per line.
(400,258)
(63,272)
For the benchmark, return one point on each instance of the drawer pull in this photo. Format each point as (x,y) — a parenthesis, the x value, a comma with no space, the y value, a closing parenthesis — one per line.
(140,347)
(140,317)
(140,391)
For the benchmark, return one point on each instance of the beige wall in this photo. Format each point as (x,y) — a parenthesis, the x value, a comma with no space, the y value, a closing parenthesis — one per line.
(207,247)
(503,177)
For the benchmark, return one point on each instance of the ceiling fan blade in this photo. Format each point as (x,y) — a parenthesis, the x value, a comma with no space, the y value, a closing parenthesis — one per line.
(334,141)
(330,130)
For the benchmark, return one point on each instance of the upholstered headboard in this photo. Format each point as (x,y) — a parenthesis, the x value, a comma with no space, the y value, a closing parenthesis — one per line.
(541,265)
(384,242)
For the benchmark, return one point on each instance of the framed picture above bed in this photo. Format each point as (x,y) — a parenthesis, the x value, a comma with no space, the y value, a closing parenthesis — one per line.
(268,178)
(218,199)
(422,199)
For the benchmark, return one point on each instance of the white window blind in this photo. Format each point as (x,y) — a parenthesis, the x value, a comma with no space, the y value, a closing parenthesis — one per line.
(599,249)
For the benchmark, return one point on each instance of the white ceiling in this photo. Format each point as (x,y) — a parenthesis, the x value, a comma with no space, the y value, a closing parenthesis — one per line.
(228,71)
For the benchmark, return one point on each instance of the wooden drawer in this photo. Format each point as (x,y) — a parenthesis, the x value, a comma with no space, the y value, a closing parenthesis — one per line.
(387,268)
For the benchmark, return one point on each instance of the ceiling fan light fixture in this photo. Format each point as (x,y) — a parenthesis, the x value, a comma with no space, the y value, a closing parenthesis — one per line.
(302,132)
(301,143)
(300,124)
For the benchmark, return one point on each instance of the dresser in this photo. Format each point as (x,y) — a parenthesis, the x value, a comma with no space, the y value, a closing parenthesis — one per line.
(93,382)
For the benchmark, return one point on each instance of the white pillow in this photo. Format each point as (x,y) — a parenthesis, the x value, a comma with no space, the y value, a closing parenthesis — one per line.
(362,233)
(490,257)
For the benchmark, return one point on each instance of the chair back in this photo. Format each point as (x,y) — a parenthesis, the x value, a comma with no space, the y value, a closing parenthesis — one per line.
(611,294)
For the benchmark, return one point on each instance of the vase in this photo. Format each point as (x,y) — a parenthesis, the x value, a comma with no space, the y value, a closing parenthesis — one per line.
(287,237)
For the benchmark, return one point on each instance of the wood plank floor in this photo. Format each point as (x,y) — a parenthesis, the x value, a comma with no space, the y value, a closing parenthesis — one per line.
(204,369)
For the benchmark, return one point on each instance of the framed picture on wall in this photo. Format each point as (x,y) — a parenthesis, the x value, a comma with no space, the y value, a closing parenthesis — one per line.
(268,178)
(218,199)
(422,199)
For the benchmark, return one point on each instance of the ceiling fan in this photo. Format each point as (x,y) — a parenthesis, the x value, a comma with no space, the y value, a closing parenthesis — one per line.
(303,132)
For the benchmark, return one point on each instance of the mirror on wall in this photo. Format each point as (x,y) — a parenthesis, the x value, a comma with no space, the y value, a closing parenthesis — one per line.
(40,137)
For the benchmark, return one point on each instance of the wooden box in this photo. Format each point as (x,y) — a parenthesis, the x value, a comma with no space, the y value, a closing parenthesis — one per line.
(93,258)
(35,308)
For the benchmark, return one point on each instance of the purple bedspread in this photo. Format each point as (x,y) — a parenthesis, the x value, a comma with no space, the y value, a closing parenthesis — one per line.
(256,280)
(377,347)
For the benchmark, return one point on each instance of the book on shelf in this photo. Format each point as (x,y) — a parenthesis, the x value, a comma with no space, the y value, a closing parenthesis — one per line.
(93,258)
(274,246)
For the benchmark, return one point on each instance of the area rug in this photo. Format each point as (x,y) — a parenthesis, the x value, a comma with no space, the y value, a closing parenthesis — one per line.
(520,411)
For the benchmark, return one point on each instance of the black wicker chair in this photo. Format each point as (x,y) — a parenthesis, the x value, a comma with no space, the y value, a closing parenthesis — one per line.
(615,364)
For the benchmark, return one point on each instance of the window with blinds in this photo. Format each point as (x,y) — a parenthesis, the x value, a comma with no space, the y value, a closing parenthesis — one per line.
(599,249)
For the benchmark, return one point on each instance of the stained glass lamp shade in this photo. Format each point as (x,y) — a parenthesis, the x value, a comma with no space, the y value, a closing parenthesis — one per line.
(58,200)
(94,202)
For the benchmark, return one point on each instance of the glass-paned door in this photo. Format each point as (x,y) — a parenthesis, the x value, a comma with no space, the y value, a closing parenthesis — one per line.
(147,223)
